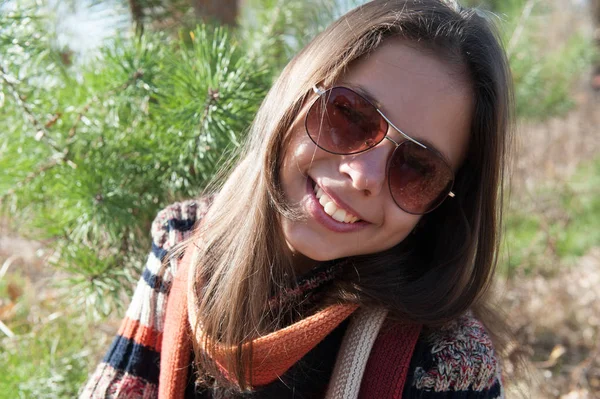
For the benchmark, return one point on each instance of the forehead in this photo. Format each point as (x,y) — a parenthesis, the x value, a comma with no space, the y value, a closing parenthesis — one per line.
(423,95)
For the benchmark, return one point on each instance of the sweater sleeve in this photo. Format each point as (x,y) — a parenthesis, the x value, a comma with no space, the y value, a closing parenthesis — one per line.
(130,368)
(457,361)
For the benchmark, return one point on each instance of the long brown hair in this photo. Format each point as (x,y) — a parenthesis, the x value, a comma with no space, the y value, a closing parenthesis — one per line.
(432,276)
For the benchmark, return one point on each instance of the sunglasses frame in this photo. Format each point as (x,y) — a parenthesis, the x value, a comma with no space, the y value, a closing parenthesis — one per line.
(321,93)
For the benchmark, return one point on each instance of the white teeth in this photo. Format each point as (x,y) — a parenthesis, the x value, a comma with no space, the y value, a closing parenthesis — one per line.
(331,208)
(319,192)
(339,215)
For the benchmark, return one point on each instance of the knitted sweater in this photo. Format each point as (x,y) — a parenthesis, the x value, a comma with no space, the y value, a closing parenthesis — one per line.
(455,361)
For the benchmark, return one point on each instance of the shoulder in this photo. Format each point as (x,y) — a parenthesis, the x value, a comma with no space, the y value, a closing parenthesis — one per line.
(173,223)
(459,356)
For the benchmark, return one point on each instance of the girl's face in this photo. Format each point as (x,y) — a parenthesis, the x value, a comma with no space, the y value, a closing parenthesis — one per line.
(419,93)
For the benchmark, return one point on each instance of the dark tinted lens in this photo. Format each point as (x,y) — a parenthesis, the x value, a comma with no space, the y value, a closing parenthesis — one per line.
(343,122)
(419,178)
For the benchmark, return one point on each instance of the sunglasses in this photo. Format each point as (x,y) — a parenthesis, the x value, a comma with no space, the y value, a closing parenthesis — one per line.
(343,122)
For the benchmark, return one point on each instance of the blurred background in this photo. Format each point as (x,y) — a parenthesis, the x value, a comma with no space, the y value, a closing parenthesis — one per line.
(110,110)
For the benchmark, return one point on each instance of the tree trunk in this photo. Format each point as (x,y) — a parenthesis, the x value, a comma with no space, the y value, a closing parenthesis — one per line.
(224,11)
(137,15)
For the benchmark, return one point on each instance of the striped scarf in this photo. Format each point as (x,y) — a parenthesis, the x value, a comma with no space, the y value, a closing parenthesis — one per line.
(272,354)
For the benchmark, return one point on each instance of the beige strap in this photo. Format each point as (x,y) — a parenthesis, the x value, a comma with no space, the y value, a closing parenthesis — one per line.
(354,353)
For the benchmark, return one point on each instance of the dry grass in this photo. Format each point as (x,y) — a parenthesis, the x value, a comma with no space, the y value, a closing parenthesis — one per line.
(557,322)
(551,151)
(555,306)
(47,345)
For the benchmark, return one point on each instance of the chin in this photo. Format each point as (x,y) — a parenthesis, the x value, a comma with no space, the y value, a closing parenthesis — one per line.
(324,257)
(317,252)
(319,255)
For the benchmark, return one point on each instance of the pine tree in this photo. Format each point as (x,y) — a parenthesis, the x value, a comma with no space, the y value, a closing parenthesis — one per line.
(90,151)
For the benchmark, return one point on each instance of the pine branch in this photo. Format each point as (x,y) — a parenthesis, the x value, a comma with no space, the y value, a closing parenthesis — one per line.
(136,75)
(61,155)
(212,97)
(31,176)
(268,35)
(42,132)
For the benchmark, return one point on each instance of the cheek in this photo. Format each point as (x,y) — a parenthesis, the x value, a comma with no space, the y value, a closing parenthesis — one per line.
(295,167)
(301,156)
(301,152)
(295,141)
(295,161)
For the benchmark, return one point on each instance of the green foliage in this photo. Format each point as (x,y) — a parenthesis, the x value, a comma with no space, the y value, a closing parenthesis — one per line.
(275,30)
(544,71)
(45,359)
(557,223)
(92,150)
(582,201)
(523,241)
(47,363)
(90,155)
(544,81)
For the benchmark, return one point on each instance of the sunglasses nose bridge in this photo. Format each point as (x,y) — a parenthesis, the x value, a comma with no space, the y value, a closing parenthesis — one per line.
(392,140)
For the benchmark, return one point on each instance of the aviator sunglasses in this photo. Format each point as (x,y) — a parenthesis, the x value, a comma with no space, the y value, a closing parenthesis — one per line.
(343,122)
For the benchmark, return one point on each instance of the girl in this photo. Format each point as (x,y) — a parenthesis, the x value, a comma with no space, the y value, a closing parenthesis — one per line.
(348,251)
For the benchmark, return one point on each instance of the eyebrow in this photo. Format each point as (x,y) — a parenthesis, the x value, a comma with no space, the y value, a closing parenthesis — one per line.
(364,92)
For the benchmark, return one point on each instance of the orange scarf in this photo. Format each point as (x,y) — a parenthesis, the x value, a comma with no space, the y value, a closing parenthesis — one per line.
(272,354)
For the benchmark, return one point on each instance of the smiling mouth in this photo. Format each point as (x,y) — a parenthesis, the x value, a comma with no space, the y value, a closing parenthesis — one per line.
(330,208)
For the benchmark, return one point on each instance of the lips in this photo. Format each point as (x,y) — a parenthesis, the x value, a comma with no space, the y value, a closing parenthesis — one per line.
(318,213)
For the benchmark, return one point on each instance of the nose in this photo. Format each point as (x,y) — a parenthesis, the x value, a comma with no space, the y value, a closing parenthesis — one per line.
(368,170)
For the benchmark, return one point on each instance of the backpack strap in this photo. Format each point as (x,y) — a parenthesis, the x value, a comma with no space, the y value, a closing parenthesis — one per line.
(373,362)
(354,353)
(389,361)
